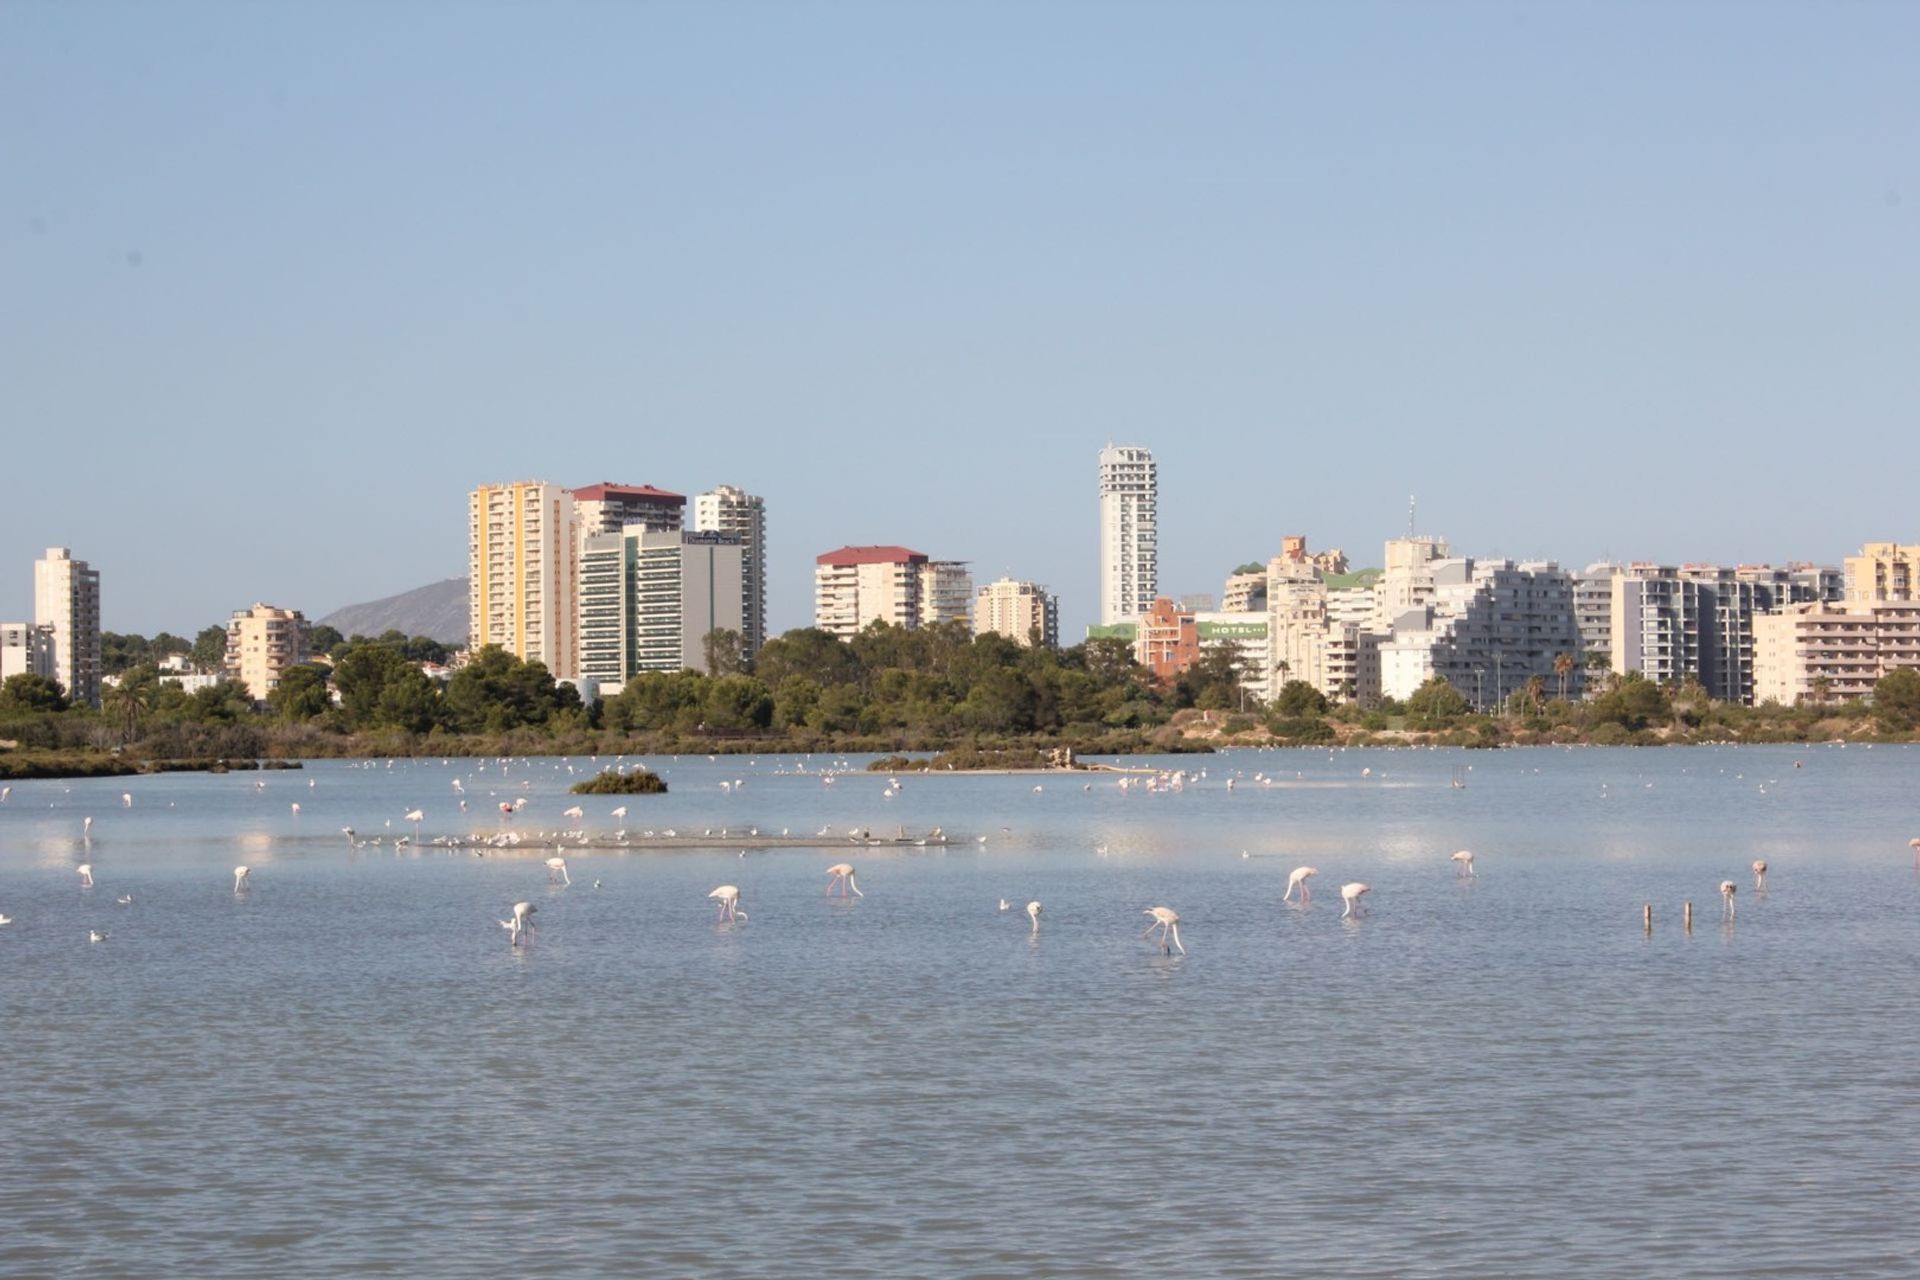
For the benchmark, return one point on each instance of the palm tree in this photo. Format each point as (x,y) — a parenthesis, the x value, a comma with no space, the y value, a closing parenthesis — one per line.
(1536,690)
(128,701)
(1563,665)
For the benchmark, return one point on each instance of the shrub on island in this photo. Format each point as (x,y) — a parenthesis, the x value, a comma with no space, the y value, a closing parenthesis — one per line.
(640,782)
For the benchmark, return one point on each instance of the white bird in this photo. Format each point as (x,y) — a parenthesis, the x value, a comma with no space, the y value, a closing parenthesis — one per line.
(522,921)
(574,812)
(4,793)
(1727,888)
(86,826)
(621,812)
(1298,880)
(1005,905)
(842,873)
(97,935)
(729,898)
(1033,914)
(296,808)
(1167,921)
(1759,875)
(1350,894)
(125,899)
(559,865)
(6,919)
(86,875)
(240,880)
(1465,860)
(416,817)
(126,799)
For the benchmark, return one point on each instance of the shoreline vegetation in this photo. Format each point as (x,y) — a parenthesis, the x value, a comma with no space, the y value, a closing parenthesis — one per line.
(971,702)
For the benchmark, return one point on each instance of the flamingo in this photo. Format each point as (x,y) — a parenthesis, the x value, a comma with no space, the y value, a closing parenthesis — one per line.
(522,921)
(1727,888)
(126,799)
(1167,921)
(1760,875)
(621,812)
(1465,859)
(86,875)
(296,808)
(842,873)
(240,881)
(86,828)
(575,812)
(1350,894)
(1033,914)
(4,793)
(558,865)
(729,898)
(506,809)
(1298,880)
(416,817)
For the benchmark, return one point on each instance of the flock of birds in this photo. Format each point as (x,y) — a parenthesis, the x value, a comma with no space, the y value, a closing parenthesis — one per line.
(841,876)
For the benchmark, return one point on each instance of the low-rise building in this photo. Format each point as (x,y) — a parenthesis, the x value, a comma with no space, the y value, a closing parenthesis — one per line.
(1826,652)
(26,649)
(262,643)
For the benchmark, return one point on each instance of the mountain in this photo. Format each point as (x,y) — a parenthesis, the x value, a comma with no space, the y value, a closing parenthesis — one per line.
(439,611)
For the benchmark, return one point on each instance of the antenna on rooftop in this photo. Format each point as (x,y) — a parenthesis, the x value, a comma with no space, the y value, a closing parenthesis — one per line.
(1410,511)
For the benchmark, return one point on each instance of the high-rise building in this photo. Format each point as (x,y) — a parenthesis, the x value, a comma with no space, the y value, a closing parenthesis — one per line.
(855,586)
(1883,571)
(66,597)
(1488,627)
(1671,623)
(608,508)
(262,642)
(649,600)
(522,564)
(26,649)
(1129,537)
(1024,612)
(735,511)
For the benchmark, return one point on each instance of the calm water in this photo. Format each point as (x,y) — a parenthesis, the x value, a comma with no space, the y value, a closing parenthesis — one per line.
(348,1070)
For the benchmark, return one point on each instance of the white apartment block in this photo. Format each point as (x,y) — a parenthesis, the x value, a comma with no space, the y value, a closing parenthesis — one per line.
(1024,612)
(1831,653)
(26,650)
(1129,537)
(742,514)
(648,601)
(1488,627)
(857,586)
(608,508)
(262,642)
(522,571)
(1671,623)
(66,597)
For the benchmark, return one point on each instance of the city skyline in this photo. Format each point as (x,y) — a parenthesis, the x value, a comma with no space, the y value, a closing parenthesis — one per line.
(1315,260)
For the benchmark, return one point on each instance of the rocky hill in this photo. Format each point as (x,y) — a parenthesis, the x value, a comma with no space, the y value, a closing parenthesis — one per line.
(438,610)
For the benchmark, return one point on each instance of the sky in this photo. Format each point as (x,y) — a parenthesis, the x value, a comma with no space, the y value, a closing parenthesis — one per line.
(280,284)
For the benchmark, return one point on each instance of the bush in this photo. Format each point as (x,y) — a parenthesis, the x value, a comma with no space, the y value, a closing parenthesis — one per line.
(614,783)
(1302,730)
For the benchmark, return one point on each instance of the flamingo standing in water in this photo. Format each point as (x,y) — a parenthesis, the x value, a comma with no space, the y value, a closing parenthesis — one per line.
(558,865)
(1298,880)
(621,812)
(1727,888)
(1759,875)
(86,828)
(842,873)
(1167,921)
(416,817)
(1033,914)
(522,921)
(240,881)
(1464,859)
(1350,894)
(86,875)
(728,896)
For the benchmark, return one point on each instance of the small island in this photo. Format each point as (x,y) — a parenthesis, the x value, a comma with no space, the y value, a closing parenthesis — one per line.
(640,782)
(987,760)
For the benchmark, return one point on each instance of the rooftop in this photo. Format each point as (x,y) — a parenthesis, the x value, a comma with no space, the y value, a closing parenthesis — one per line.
(871,555)
(607,489)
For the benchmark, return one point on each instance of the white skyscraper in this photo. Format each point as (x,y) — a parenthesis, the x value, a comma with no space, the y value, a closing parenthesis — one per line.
(735,511)
(66,597)
(1129,542)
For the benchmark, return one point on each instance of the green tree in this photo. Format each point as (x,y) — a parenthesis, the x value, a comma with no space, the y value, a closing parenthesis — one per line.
(1297,699)
(361,674)
(1435,704)
(408,700)
(737,702)
(1563,665)
(301,695)
(323,639)
(807,652)
(724,652)
(26,693)
(1896,700)
(210,648)
(1633,703)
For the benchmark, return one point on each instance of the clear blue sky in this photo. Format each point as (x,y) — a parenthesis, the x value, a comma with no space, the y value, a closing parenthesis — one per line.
(279,283)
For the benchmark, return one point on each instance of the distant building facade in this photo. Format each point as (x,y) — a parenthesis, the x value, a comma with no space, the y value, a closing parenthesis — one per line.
(608,508)
(649,599)
(1827,652)
(262,643)
(735,511)
(1025,612)
(66,598)
(1695,621)
(522,572)
(1488,627)
(1883,571)
(1129,532)
(856,586)
(26,649)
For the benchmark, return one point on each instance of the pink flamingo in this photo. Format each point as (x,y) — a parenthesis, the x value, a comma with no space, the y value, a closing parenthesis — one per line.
(1464,862)
(729,898)
(1727,888)
(1350,894)
(1759,875)
(1167,921)
(1298,880)
(842,873)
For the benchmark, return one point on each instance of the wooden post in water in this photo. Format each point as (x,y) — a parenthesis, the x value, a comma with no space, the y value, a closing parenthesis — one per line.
(1646,917)
(1689,917)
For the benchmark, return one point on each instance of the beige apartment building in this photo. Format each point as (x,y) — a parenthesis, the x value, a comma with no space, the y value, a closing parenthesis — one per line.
(66,598)
(262,642)
(1831,653)
(856,586)
(1024,612)
(1883,571)
(522,573)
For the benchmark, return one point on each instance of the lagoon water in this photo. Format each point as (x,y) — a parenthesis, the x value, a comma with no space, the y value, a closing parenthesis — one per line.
(349,1071)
